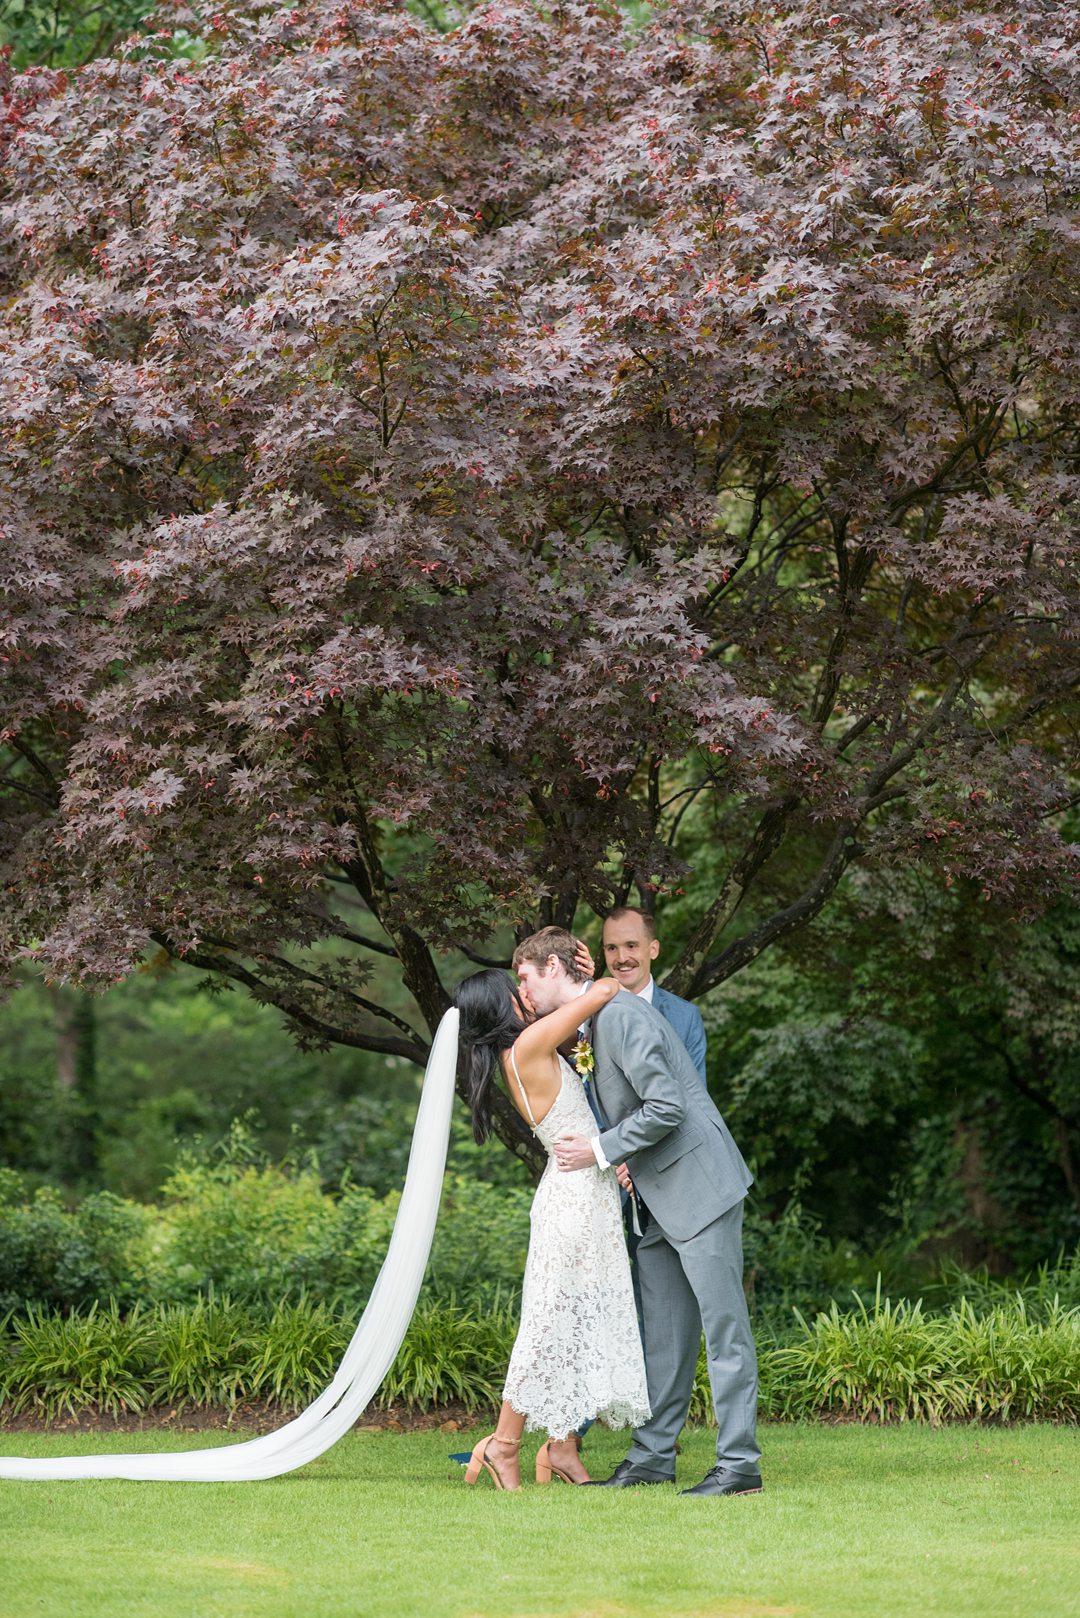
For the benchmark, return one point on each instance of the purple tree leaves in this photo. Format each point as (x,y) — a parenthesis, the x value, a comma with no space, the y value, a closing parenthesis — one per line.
(449,470)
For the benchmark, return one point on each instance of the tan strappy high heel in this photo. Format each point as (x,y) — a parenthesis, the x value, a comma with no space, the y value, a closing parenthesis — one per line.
(546,1468)
(479,1462)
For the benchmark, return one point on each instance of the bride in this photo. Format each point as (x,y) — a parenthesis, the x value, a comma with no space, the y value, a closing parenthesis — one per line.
(578,1354)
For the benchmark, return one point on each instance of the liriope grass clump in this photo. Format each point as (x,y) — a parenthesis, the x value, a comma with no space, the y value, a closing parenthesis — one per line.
(891,1361)
(894,1362)
(452,1354)
(202,1353)
(61,1364)
(216,1353)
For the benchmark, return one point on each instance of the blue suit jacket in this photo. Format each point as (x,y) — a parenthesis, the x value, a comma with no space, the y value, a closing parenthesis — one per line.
(686,1021)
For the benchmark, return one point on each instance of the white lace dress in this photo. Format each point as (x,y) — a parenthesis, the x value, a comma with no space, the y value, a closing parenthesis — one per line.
(578,1350)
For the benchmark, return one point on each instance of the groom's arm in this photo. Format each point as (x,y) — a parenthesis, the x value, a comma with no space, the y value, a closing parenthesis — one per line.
(637,1046)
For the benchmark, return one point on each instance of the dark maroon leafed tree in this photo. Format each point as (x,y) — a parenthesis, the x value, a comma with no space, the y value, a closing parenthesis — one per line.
(438,470)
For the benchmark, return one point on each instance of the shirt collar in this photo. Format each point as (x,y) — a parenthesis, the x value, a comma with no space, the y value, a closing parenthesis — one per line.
(647,990)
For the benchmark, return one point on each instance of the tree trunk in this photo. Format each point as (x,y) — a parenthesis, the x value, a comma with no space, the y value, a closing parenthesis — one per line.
(985,1212)
(75,1022)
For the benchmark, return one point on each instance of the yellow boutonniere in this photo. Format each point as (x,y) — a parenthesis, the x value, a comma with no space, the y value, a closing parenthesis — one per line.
(583,1057)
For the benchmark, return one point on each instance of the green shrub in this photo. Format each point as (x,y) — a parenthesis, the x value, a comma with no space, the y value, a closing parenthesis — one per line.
(895,1363)
(348,1266)
(58,1364)
(246,1228)
(53,1258)
(480,1241)
(267,1233)
(451,1354)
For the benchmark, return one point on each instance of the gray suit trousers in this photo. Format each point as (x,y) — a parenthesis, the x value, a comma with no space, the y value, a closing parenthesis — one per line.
(682,1283)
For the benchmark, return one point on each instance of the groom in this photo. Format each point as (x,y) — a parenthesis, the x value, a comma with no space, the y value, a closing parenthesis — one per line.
(690,1176)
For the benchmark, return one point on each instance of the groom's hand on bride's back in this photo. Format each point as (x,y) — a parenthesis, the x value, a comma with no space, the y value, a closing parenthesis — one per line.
(574,1152)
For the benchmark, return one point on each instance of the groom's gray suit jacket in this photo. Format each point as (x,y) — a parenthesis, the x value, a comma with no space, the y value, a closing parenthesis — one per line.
(663,1124)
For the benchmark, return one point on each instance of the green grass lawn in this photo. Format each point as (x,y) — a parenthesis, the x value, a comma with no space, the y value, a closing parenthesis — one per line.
(853,1521)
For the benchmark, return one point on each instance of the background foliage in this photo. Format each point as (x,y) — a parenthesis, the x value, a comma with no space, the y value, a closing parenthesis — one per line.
(585,457)
(772,437)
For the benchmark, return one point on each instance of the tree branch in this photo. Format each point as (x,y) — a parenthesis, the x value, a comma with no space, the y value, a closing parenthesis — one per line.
(743,950)
(39,767)
(767,836)
(368,943)
(412,1049)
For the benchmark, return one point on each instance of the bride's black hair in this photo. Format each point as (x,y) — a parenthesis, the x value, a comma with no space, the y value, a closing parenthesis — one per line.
(492,1017)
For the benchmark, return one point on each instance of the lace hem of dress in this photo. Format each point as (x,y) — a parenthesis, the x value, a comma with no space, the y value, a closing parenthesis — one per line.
(620,1413)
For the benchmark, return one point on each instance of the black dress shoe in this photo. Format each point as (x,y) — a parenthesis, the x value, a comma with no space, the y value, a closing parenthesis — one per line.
(625,1476)
(721,1481)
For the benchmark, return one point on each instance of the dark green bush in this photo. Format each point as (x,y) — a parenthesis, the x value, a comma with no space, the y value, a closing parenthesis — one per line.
(791,1265)
(58,1259)
(1050,1287)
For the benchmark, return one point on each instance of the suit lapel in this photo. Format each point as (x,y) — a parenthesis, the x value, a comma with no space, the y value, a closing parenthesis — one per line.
(601,1071)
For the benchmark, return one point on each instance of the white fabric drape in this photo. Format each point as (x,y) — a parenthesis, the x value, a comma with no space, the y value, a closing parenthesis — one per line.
(369,1355)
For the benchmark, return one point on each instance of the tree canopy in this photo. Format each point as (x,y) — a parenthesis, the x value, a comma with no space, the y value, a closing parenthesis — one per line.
(442,470)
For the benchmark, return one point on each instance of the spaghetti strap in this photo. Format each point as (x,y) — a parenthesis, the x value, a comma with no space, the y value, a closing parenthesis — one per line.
(521,1087)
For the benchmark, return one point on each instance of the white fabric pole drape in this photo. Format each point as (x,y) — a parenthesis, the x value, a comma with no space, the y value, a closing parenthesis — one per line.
(369,1355)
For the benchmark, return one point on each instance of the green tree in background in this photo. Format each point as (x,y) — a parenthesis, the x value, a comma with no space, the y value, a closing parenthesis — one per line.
(66,33)
(907,1080)
(883,1074)
(176,1063)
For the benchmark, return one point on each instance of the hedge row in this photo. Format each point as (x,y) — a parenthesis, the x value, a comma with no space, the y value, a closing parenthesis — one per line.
(888,1362)
(261,1233)
(255,1232)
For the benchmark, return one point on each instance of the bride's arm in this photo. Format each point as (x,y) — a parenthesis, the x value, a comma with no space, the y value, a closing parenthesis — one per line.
(544,1036)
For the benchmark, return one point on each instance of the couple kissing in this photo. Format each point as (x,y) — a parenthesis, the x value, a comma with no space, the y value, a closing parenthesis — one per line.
(648,1125)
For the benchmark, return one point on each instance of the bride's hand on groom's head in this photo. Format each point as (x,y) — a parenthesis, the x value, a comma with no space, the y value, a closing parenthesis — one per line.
(583,959)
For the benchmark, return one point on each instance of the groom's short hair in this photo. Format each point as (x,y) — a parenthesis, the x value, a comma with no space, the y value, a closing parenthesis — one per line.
(648,922)
(539,947)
